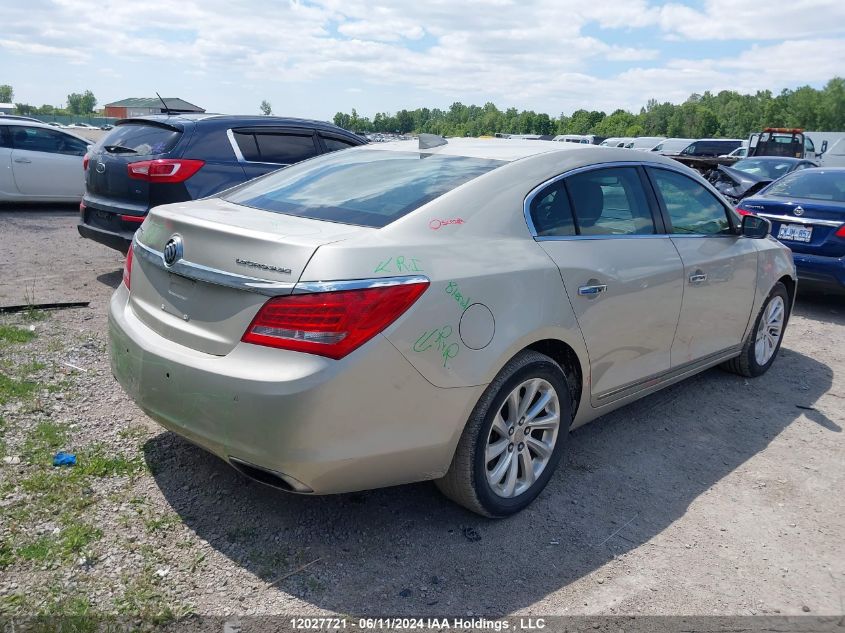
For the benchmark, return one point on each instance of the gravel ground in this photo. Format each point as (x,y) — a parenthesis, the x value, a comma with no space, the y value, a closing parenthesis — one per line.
(719,495)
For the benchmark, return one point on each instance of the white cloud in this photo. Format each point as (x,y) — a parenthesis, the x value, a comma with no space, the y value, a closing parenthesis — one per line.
(754,19)
(549,55)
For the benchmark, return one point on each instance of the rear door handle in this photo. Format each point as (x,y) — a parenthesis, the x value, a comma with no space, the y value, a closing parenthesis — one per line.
(697,278)
(589,291)
(22,160)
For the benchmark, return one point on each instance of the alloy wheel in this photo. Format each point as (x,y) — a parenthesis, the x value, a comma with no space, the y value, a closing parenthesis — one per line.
(770,330)
(522,438)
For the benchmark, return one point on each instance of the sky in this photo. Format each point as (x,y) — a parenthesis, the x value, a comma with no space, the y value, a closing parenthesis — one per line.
(317,57)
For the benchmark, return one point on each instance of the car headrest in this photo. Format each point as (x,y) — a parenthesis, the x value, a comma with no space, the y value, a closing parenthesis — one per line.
(588,199)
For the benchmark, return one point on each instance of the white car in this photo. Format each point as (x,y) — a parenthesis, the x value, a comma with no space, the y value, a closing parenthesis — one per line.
(39,163)
(672,146)
(739,152)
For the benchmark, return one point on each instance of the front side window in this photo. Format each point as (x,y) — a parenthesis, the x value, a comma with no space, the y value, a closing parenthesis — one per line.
(692,209)
(610,202)
(36,139)
(364,187)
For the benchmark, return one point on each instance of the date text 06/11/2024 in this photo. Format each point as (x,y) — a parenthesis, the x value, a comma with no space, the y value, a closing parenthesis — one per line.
(410,624)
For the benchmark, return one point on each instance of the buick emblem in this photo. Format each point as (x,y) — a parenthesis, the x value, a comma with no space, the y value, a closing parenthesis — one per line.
(172,251)
(798,211)
(101,168)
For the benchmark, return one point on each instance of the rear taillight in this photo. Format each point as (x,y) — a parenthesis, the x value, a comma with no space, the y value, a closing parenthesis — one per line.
(82,209)
(127,269)
(164,169)
(137,219)
(85,160)
(840,232)
(331,324)
(742,211)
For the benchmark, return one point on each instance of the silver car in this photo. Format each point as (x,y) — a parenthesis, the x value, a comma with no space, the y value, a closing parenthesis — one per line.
(443,310)
(39,163)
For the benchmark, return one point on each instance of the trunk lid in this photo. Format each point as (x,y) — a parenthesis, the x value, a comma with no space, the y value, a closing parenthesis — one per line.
(823,217)
(233,258)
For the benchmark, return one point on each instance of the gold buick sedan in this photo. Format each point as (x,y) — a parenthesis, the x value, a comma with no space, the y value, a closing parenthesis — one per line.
(435,309)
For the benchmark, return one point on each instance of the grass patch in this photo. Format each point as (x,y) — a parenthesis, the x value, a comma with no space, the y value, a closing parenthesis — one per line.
(161,523)
(39,550)
(94,461)
(32,367)
(64,547)
(12,603)
(11,389)
(6,555)
(43,440)
(74,538)
(142,598)
(35,315)
(11,334)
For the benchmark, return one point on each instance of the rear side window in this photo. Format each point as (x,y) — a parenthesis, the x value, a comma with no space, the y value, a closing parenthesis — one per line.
(364,187)
(610,202)
(712,148)
(141,139)
(551,212)
(248,146)
(691,207)
(285,148)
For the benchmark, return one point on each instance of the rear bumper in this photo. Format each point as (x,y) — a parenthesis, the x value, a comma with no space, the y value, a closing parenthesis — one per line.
(102,222)
(819,270)
(366,421)
(118,241)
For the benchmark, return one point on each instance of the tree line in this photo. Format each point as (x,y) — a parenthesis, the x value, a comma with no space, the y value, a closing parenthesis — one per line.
(77,103)
(725,114)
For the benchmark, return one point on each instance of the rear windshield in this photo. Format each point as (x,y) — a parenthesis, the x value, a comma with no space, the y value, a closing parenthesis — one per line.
(772,169)
(363,187)
(141,139)
(816,185)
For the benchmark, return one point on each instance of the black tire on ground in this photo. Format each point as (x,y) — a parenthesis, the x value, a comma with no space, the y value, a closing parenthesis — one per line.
(746,363)
(466,481)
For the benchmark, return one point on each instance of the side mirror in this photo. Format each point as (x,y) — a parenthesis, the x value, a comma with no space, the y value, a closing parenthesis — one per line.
(755,227)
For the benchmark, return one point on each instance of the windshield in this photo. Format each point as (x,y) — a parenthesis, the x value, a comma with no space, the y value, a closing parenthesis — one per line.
(815,185)
(768,169)
(363,187)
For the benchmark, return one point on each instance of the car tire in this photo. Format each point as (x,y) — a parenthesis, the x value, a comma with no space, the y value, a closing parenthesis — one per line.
(761,346)
(502,414)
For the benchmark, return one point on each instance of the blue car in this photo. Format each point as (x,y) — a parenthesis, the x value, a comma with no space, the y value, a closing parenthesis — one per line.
(807,211)
(147,161)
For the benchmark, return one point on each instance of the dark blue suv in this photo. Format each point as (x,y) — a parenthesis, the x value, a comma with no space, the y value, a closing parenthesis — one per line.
(148,161)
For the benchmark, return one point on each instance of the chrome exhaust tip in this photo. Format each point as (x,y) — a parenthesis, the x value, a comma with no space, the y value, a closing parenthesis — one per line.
(269,477)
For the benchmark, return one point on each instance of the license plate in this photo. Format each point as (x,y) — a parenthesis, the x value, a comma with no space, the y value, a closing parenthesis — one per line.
(795,232)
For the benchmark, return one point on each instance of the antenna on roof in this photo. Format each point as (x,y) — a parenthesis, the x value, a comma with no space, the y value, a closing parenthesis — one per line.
(166,110)
(427,141)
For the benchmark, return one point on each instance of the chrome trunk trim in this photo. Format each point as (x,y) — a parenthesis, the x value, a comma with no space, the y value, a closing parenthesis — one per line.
(198,272)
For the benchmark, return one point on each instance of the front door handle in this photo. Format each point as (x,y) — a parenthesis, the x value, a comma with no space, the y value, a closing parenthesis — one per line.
(22,160)
(697,278)
(589,291)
